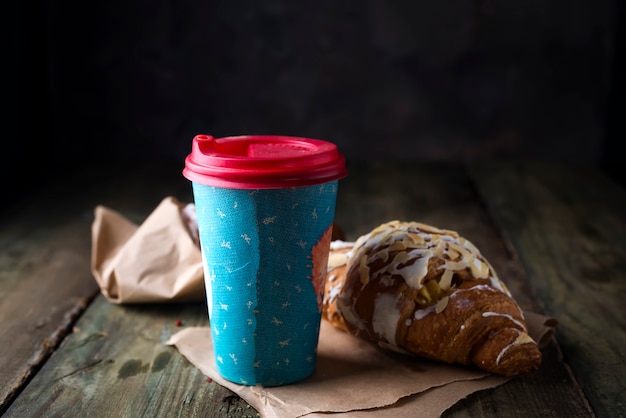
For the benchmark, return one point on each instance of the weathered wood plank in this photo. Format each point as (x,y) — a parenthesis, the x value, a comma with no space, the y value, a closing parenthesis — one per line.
(569,227)
(445,196)
(44,257)
(116,363)
(87,359)
(45,284)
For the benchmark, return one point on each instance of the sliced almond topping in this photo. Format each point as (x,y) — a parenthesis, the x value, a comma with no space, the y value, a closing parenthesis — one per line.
(417,239)
(466,255)
(430,228)
(479,269)
(446,279)
(397,246)
(457,265)
(438,249)
(467,244)
(364,271)
(400,259)
(453,246)
(524,338)
(337,260)
(453,254)
(442,304)
(383,255)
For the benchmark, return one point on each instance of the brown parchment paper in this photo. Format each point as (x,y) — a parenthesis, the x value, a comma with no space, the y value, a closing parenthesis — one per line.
(355,378)
(158,261)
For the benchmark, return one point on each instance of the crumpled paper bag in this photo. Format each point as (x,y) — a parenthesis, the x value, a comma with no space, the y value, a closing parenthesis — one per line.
(355,378)
(158,261)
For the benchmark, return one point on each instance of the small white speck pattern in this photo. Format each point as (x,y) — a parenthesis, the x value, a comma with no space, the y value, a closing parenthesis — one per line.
(260,250)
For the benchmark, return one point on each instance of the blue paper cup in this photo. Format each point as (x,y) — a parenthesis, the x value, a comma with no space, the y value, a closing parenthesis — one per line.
(265,253)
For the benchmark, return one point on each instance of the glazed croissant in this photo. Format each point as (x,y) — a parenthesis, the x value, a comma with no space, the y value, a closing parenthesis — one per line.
(415,288)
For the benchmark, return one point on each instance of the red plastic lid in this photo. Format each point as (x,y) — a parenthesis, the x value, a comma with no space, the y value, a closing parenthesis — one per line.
(263,162)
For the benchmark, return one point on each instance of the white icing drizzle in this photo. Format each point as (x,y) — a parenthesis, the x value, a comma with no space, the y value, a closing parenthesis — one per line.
(478,268)
(414,244)
(334,292)
(522,338)
(457,292)
(421,313)
(336,260)
(499,285)
(509,317)
(340,245)
(385,317)
(504,350)
(412,274)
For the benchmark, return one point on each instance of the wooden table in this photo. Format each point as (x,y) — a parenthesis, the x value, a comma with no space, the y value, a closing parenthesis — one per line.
(556,234)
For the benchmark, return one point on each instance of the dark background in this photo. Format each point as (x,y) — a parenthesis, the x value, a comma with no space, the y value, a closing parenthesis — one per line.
(447,80)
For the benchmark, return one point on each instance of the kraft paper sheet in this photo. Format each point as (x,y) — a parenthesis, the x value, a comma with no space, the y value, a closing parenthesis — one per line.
(355,378)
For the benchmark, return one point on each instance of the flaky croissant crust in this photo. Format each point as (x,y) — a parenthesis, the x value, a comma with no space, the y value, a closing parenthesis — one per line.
(415,288)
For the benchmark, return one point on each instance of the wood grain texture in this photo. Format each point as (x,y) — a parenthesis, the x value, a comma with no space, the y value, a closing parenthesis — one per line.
(116,363)
(569,227)
(47,240)
(45,284)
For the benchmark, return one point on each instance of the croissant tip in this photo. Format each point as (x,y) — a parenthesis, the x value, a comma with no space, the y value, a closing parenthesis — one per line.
(522,359)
